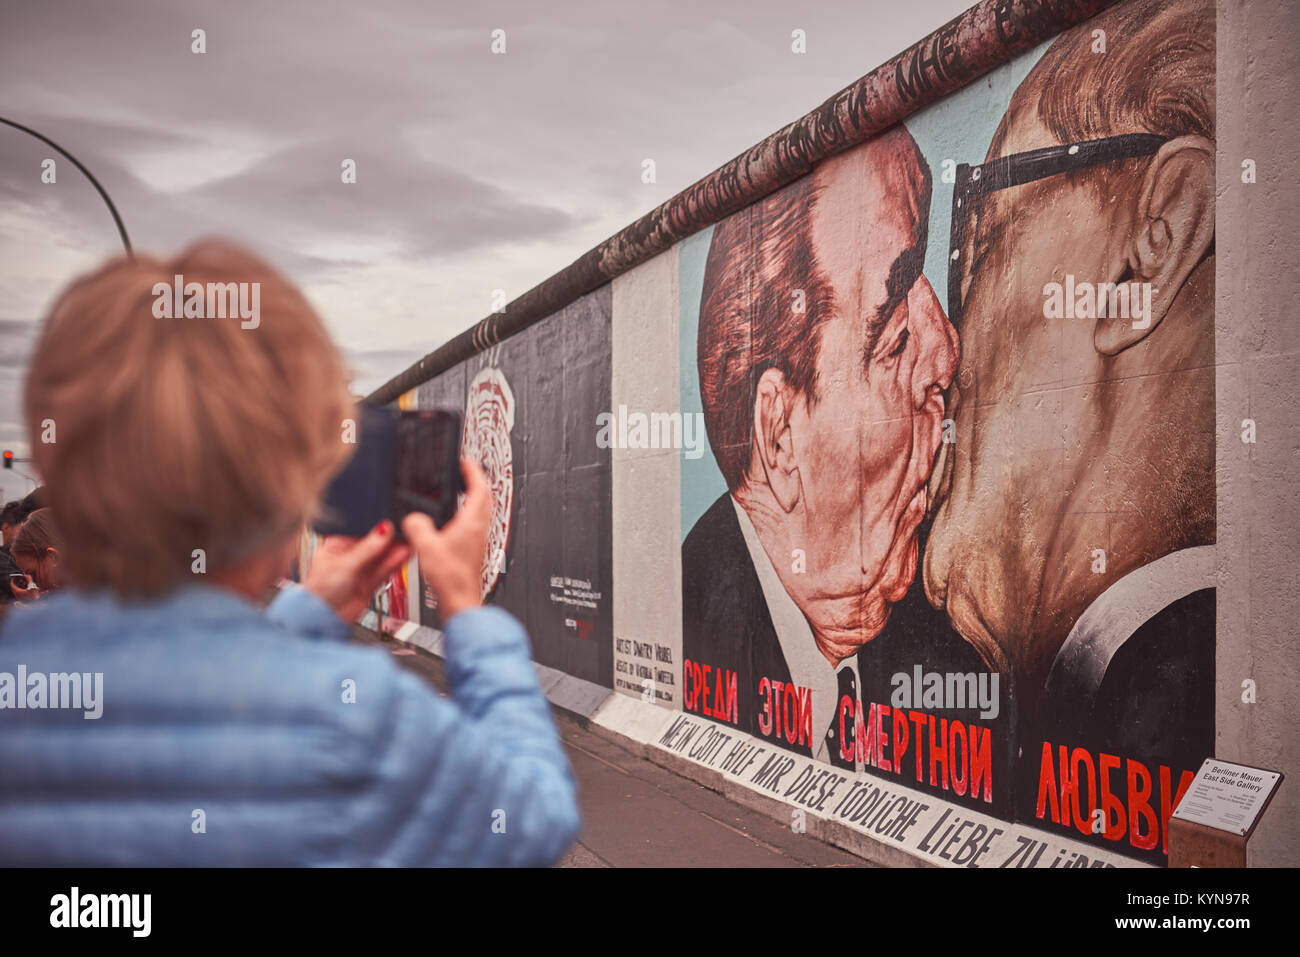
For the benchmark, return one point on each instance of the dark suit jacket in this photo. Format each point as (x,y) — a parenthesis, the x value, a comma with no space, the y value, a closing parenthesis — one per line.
(726,624)
(725,621)
(1156,700)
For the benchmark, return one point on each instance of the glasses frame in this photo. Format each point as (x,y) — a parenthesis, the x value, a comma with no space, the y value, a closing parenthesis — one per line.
(1028,167)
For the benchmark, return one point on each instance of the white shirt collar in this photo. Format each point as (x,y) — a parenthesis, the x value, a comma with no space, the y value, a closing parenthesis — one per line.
(1122,609)
(808,666)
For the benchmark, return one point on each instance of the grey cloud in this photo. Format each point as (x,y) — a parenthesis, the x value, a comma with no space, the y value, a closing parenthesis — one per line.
(17,339)
(430,207)
(469,164)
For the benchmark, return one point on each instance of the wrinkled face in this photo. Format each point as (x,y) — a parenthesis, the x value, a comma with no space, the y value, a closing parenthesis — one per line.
(865,449)
(1013,504)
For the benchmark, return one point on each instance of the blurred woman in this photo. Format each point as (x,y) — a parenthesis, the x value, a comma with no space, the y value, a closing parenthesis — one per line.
(228,731)
(36,550)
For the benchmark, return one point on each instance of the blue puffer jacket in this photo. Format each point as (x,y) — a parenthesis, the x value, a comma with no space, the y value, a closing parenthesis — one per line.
(229,735)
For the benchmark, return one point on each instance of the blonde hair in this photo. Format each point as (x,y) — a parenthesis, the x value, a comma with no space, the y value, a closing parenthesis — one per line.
(177,434)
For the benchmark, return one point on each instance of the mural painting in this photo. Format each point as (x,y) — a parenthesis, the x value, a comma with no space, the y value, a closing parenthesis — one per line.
(956,526)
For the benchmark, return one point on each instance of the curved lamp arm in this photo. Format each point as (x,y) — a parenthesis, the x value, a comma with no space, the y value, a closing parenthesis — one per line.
(121,229)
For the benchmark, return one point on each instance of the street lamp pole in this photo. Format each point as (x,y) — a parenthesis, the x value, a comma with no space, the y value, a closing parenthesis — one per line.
(121,229)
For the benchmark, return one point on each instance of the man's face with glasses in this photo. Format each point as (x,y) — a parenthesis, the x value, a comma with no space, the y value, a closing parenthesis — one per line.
(1016,506)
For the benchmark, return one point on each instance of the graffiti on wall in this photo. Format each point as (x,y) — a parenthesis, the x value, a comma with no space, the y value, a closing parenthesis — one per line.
(956,525)
(489,417)
(528,404)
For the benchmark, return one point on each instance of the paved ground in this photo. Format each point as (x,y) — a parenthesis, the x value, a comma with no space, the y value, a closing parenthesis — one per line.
(638,814)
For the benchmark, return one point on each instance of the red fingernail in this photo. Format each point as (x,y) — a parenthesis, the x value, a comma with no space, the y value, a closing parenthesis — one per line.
(383,527)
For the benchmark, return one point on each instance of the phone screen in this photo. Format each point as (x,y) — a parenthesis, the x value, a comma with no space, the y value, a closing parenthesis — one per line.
(404,462)
(426,465)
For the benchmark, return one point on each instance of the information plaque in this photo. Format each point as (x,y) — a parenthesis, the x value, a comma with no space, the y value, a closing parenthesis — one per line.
(1226,796)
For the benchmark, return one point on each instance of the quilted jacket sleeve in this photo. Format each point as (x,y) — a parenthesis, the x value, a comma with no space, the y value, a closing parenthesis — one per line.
(300,611)
(480,778)
(476,779)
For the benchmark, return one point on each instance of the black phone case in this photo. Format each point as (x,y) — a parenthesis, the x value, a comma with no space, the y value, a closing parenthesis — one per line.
(403,462)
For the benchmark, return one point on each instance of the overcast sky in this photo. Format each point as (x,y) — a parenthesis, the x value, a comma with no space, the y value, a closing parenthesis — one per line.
(475,170)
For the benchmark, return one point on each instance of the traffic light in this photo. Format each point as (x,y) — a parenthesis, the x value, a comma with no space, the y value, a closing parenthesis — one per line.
(9,459)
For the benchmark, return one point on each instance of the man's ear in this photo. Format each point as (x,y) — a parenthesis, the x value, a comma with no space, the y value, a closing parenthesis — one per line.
(1170,233)
(772,438)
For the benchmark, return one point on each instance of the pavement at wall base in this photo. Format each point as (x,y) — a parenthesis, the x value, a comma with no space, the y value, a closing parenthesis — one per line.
(640,814)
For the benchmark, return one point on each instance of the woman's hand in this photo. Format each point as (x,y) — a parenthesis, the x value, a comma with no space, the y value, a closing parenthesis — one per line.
(25,592)
(346,572)
(451,559)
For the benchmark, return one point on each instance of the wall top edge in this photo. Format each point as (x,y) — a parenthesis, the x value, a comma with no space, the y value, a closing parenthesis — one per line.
(985,36)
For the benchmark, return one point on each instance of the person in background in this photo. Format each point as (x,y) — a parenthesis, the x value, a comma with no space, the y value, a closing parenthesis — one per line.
(36,550)
(13,582)
(33,501)
(10,518)
(229,731)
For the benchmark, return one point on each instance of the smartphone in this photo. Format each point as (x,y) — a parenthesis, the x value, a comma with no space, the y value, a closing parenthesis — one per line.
(405,461)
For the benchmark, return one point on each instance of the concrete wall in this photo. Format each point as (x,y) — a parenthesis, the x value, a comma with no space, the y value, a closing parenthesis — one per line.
(1065,504)
(529,404)
(1258,345)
